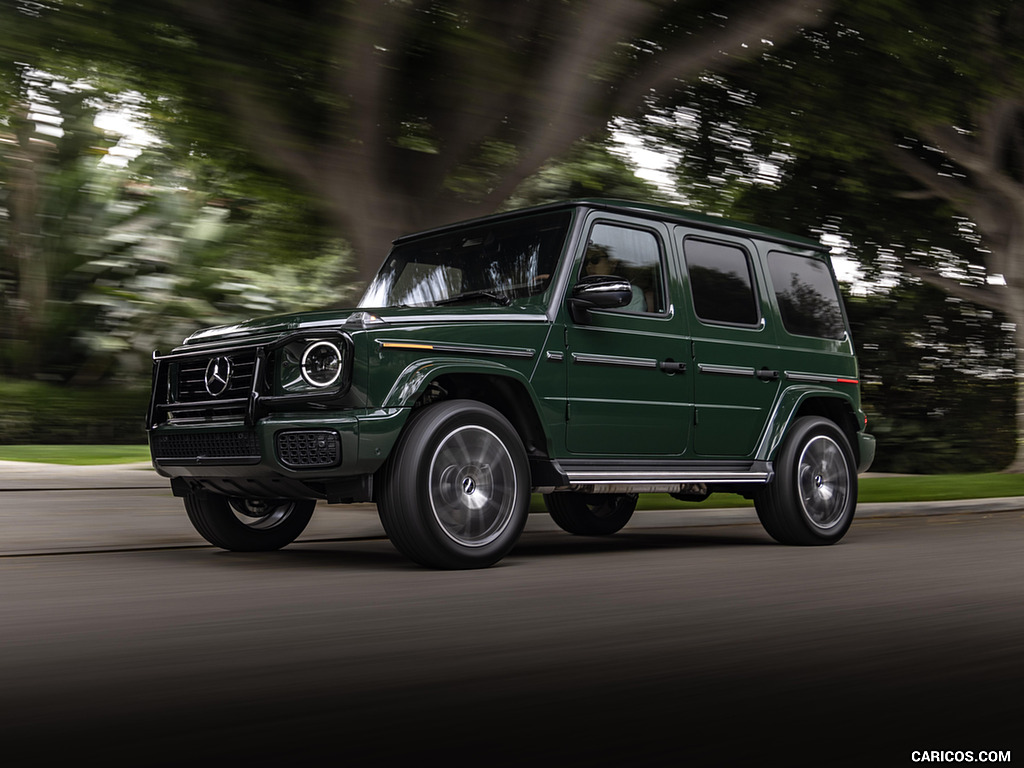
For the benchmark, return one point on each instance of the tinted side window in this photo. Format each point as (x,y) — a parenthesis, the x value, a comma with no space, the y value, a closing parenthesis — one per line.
(720,282)
(630,253)
(808,301)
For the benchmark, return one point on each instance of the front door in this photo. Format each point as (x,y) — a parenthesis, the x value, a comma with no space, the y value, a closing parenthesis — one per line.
(628,379)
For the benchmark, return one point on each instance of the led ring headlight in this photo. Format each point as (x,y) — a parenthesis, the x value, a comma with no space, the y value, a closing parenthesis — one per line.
(321,364)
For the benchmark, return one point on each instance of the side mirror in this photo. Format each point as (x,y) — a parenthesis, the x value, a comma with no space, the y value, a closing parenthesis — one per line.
(598,292)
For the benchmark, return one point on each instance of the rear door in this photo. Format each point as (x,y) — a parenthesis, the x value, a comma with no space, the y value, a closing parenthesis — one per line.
(629,391)
(735,353)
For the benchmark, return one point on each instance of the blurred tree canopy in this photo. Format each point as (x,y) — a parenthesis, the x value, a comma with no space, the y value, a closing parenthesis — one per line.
(936,380)
(395,116)
(103,260)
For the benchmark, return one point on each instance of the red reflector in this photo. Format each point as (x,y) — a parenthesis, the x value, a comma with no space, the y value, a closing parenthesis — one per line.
(848,381)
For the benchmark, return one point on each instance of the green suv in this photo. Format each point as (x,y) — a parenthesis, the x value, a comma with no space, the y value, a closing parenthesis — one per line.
(589,351)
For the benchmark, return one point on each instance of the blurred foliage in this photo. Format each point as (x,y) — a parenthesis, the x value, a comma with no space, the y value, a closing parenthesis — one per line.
(937,381)
(396,116)
(36,413)
(590,169)
(849,131)
(102,261)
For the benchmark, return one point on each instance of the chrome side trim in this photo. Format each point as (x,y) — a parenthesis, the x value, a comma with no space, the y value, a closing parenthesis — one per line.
(725,370)
(664,477)
(623,362)
(434,319)
(818,378)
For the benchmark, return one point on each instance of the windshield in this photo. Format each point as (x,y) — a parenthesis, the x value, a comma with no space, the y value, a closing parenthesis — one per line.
(496,263)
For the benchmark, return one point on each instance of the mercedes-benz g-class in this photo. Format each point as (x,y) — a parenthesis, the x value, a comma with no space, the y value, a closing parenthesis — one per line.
(588,351)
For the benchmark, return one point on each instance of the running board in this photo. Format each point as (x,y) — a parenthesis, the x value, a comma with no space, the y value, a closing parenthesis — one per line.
(644,477)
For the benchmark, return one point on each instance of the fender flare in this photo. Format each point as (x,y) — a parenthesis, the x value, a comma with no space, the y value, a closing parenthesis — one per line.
(417,376)
(784,411)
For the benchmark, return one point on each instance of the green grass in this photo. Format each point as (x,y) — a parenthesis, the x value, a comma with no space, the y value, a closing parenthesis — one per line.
(872,489)
(75,454)
(940,487)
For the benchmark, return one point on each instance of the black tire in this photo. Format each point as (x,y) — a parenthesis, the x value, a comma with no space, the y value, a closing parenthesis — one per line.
(455,491)
(241,525)
(813,496)
(590,514)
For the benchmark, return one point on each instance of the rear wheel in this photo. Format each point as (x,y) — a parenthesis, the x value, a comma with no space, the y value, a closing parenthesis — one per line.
(248,525)
(456,489)
(811,500)
(590,514)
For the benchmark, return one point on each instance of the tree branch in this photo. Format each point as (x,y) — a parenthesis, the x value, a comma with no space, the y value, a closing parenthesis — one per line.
(988,173)
(564,112)
(989,296)
(740,39)
(262,127)
(365,47)
(271,136)
(944,187)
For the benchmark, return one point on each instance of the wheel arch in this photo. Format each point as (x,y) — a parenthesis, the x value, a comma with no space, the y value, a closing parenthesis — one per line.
(504,389)
(809,401)
(508,395)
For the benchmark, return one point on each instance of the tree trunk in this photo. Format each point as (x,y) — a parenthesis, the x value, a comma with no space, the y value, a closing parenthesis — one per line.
(1017,318)
(26,245)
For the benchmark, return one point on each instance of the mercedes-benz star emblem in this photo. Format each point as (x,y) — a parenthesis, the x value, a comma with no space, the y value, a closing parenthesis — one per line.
(218,376)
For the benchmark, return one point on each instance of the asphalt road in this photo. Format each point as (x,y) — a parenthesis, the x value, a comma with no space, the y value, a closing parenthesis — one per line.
(674,642)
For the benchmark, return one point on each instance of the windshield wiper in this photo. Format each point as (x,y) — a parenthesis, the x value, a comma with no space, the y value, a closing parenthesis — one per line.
(497,298)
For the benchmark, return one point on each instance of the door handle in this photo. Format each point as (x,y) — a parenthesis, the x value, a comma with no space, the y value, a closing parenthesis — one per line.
(672,367)
(766,375)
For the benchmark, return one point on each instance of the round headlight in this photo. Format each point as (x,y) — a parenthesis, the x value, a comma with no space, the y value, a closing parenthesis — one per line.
(321,364)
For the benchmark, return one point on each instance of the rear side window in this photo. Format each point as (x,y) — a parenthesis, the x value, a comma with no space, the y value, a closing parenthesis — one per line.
(807,296)
(720,282)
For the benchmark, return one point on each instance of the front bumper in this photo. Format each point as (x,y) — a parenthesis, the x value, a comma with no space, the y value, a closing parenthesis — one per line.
(327,457)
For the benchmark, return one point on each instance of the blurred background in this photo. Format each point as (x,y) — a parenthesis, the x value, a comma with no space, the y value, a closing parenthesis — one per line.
(174,164)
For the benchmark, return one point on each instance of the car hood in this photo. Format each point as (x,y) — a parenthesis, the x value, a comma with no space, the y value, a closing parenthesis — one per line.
(353,319)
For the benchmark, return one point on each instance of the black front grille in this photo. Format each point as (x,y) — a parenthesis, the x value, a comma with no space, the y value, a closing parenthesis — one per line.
(227,447)
(301,450)
(194,400)
(235,385)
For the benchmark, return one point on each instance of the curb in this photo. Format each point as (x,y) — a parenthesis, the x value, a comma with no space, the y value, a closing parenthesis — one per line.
(31,476)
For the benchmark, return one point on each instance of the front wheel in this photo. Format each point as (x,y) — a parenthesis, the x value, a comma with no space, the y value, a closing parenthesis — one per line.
(813,496)
(590,514)
(456,489)
(248,525)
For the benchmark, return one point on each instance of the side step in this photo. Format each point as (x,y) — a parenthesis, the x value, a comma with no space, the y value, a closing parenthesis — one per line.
(639,476)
